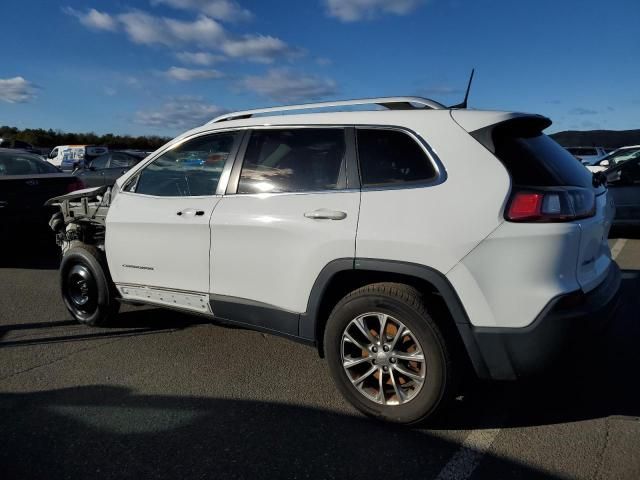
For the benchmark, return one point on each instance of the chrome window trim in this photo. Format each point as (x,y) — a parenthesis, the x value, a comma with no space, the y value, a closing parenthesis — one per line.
(439,178)
(309,192)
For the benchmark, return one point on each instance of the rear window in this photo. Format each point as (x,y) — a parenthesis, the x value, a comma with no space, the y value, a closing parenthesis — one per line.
(534,159)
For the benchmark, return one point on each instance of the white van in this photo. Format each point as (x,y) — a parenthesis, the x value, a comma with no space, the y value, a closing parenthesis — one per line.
(66,156)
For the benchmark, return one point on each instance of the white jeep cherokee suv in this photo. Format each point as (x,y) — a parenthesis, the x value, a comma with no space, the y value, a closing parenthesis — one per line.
(405,243)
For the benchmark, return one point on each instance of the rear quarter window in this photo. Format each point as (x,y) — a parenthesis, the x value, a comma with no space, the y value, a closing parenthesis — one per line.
(391,157)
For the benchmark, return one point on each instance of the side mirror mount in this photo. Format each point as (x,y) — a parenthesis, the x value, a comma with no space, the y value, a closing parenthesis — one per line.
(604,163)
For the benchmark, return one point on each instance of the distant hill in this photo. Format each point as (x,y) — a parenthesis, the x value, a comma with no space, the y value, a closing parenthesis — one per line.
(597,138)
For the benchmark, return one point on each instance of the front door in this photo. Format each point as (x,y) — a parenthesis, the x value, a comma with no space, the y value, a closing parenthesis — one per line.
(158,235)
(288,214)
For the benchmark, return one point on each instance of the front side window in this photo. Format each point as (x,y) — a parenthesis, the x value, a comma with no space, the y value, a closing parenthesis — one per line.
(100,162)
(190,169)
(293,160)
(391,157)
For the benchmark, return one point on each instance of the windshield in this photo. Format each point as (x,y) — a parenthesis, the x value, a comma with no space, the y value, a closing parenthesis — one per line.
(621,156)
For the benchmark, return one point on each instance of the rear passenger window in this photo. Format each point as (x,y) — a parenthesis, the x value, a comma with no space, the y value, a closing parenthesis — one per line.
(391,157)
(293,160)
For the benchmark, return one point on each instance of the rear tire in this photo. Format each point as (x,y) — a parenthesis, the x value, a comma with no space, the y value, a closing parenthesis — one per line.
(87,289)
(410,371)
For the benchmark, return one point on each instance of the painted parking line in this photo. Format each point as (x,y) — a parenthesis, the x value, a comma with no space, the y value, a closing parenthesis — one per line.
(463,463)
(617,247)
(469,456)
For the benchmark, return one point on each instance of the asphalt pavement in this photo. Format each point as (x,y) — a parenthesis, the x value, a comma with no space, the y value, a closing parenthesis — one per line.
(166,395)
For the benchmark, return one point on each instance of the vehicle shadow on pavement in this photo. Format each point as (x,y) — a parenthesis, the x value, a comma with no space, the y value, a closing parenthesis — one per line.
(625,232)
(144,321)
(111,432)
(596,378)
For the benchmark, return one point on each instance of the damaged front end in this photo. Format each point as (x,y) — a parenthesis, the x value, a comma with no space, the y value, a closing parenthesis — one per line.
(81,217)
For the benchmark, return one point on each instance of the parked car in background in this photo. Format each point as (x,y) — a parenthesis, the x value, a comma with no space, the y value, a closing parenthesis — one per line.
(616,157)
(19,145)
(26,183)
(69,157)
(623,181)
(105,169)
(587,155)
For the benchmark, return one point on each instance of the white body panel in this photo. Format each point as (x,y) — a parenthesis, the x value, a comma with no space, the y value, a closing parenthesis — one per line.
(147,243)
(266,250)
(436,225)
(594,255)
(513,274)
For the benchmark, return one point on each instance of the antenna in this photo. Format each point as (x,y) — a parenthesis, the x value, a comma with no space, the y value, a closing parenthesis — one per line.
(466,96)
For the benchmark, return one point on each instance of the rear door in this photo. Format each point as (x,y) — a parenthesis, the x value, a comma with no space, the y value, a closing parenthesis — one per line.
(93,175)
(289,211)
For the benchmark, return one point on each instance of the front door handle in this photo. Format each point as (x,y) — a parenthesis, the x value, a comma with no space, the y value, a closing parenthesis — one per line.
(324,214)
(190,212)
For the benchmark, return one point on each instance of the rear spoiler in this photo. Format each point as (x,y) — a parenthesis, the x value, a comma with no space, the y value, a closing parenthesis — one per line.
(521,124)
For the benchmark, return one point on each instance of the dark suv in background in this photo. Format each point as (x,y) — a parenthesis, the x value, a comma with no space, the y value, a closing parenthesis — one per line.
(105,169)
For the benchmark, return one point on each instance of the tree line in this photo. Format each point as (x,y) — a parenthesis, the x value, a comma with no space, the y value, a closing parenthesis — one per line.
(597,138)
(41,138)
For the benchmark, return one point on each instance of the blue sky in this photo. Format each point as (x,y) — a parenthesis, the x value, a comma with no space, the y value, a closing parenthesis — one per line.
(163,66)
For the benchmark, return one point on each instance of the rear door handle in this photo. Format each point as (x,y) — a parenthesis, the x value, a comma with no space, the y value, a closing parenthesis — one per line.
(324,214)
(190,212)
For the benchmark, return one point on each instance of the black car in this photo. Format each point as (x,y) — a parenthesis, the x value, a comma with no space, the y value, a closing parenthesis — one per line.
(623,181)
(105,169)
(26,183)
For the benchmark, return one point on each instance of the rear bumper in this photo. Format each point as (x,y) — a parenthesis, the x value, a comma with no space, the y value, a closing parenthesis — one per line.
(509,353)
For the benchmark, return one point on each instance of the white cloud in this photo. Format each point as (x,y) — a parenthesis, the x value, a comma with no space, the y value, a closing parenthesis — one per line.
(204,59)
(179,113)
(16,90)
(148,30)
(354,10)
(226,10)
(257,48)
(93,19)
(286,85)
(204,32)
(187,74)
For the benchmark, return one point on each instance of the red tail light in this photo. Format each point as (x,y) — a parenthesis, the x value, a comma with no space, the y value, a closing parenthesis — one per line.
(76,184)
(551,205)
